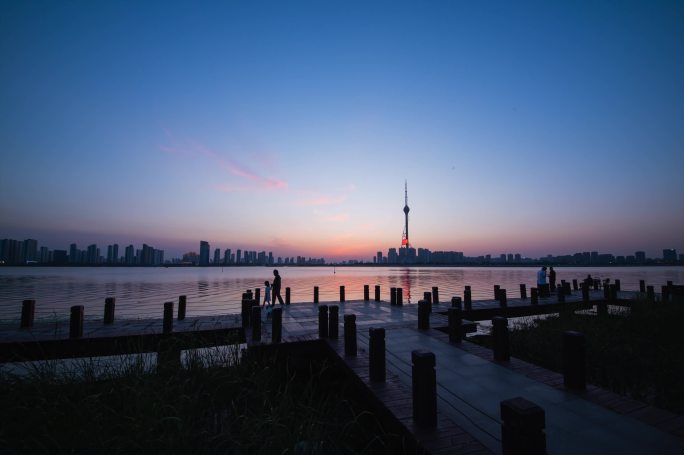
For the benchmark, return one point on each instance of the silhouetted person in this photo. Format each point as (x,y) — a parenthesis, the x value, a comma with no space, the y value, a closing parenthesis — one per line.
(276,288)
(589,281)
(541,282)
(552,279)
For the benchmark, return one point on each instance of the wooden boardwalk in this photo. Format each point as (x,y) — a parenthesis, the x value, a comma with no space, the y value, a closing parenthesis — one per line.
(470,385)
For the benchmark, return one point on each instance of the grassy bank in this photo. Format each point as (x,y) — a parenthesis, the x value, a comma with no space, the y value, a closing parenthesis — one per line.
(639,354)
(254,407)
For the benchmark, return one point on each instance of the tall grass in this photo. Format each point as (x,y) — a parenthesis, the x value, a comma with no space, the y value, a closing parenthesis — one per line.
(253,407)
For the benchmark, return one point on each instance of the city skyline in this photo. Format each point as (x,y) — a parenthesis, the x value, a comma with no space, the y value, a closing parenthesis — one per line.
(531,128)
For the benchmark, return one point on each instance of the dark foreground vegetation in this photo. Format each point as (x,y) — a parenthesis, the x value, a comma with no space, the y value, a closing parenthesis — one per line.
(639,354)
(255,407)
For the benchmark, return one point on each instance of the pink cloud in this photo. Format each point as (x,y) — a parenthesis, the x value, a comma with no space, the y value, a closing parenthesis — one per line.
(338,217)
(315,199)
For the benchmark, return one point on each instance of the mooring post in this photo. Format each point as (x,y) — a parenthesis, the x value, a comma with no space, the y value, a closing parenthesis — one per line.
(322,321)
(377,293)
(435,295)
(503,300)
(496,291)
(423,315)
(350,334)
(617,285)
(574,360)
(334,321)
(393,296)
(256,322)
(257,295)
(502,351)
(76,321)
(597,284)
(560,292)
(606,291)
(400,296)
(376,354)
(315,298)
(427,296)
(456,302)
(182,302)
(249,294)
(642,286)
(168,317)
(585,292)
(613,293)
(534,296)
(366,293)
(109,310)
(28,313)
(523,291)
(467,299)
(522,427)
(575,286)
(245,310)
(277,325)
(455,325)
(664,294)
(650,294)
(341,293)
(567,289)
(287,296)
(424,387)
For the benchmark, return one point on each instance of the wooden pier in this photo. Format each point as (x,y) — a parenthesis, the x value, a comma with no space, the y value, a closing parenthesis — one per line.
(475,395)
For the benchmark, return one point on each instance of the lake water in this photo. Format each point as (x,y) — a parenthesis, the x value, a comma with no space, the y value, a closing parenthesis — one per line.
(141,292)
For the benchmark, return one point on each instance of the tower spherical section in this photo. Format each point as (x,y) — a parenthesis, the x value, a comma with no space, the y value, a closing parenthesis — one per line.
(406,209)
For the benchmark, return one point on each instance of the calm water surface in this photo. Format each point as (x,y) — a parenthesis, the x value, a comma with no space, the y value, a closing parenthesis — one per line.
(141,292)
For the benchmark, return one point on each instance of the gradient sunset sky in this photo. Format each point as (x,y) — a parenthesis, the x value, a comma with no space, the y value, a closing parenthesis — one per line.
(288,126)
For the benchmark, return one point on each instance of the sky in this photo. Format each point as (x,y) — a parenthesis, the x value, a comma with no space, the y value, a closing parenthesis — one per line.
(521,127)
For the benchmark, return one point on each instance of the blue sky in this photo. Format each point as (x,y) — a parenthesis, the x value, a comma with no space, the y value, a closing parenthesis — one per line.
(530,127)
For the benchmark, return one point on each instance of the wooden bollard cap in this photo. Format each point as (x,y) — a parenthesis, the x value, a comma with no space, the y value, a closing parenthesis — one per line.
(521,412)
(350,317)
(374,332)
(421,358)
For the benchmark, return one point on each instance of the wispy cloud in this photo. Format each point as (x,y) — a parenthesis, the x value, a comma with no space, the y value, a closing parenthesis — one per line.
(337,217)
(312,198)
(248,180)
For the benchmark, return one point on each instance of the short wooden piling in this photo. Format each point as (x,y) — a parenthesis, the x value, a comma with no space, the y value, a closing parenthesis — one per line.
(606,291)
(650,293)
(424,388)
(496,291)
(523,291)
(597,284)
(256,322)
(617,285)
(377,293)
(182,302)
(456,302)
(168,317)
(287,296)
(277,325)
(534,296)
(664,294)
(574,360)
(333,322)
(257,295)
(613,293)
(503,300)
(315,298)
(455,324)
(585,292)
(341,293)
(575,285)
(376,354)
(560,293)
(567,290)
(393,296)
(28,313)
(642,286)
(502,350)
(400,296)
(467,299)
(427,296)
(350,334)
(323,321)
(109,310)
(522,427)
(366,293)
(423,315)
(245,309)
(435,295)
(76,321)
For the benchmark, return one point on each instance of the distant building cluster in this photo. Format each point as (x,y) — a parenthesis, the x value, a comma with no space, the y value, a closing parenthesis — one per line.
(240,257)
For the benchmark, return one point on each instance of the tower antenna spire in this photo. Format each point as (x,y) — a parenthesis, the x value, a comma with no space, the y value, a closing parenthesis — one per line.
(405,238)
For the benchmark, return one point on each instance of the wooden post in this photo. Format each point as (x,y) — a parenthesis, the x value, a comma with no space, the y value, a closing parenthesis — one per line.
(534,296)
(322,321)
(427,296)
(315,294)
(574,360)
(613,293)
(366,293)
(585,292)
(502,350)
(455,325)
(650,293)
(257,295)
(456,303)
(567,289)
(277,325)
(523,291)
(109,310)
(467,299)
(496,291)
(664,294)
(522,427)
(617,285)
(341,293)
(168,317)
(642,286)
(393,296)
(606,291)
(377,293)
(287,296)
(400,296)
(256,321)
(250,296)
(245,310)
(350,334)
(560,293)
(423,315)
(575,285)
(597,283)
(376,354)
(28,313)
(76,321)
(435,295)
(503,300)
(424,388)
(333,322)
(182,302)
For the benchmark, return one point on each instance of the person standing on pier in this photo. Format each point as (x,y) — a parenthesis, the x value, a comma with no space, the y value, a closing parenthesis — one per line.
(552,279)
(541,281)
(267,298)
(276,288)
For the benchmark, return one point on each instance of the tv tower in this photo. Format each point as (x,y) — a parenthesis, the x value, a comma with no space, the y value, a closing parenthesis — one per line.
(405,237)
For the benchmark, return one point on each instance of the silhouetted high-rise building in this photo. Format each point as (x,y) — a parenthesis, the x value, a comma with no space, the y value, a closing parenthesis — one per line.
(30,250)
(129,257)
(91,255)
(204,253)
(640,257)
(238,259)
(226,257)
(217,256)
(670,255)
(73,254)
